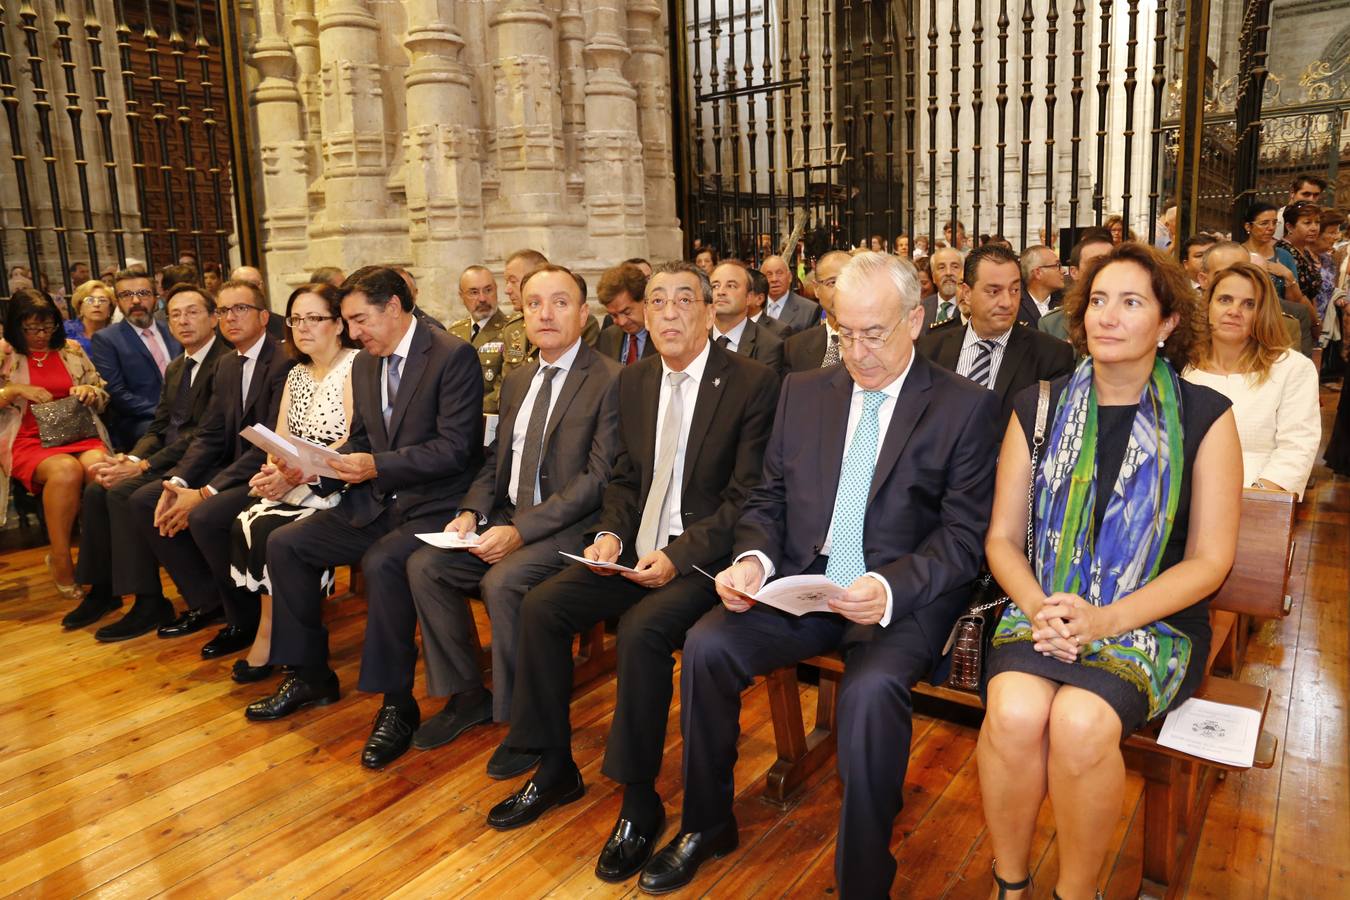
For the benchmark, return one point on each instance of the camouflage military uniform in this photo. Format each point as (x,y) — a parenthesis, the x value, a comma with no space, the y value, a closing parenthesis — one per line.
(489,345)
(517,349)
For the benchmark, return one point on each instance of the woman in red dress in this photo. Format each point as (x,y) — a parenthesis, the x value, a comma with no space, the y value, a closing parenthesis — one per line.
(45,366)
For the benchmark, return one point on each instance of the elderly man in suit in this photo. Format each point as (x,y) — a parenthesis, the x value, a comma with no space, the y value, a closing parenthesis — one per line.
(105,508)
(993,349)
(483,326)
(879,475)
(416,443)
(620,291)
(185,517)
(817,348)
(1042,284)
(537,493)
(732,329)
(754,305)
(132,356)
(794,311)
(946,265)
(692,427)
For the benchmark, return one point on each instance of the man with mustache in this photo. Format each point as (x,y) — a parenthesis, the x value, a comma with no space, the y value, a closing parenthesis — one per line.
(945,266)
(132,356)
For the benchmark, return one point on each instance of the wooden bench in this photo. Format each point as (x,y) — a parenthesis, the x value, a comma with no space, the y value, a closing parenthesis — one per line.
(1177,786)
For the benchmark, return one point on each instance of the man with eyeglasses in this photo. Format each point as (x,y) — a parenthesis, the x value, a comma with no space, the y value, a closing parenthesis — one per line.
(482,328)
(1042,284)
(185,518)
(692,426)
(132,356)
(879,476)
(817,348)
(105,509)
(416,443)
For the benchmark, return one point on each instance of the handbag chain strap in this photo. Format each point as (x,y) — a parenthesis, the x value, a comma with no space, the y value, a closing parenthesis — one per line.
(1037,439)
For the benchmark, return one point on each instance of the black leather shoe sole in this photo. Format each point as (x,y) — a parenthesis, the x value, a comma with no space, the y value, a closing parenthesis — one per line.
(510,764)
(612,867)
(517,812)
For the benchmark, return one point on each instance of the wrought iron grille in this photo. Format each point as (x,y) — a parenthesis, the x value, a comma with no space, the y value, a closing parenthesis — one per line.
(141,86)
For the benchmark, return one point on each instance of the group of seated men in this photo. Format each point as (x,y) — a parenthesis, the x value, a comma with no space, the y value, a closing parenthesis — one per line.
(667,443)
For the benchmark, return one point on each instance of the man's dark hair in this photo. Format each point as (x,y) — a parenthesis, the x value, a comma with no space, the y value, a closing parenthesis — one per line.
(1196,240)
(380,284)
(1089,237)
(28,303)
(325,275)
(759,284)
(637,261)
(259,298)
(130,273)
(1307,178)
(994,253)
(675,266)
(551,267)
(184,288)
(626,276)
(171,276)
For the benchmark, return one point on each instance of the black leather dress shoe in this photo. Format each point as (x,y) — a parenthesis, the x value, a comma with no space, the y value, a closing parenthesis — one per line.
(191,622)
(243,673)
(91,609)
(391,736)
(509,762)
(147,614)
(678,862)
(228,640)
(627,850)
(445,726)
(294,694)
(529,803)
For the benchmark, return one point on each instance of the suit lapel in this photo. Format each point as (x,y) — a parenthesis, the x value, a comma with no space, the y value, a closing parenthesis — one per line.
(746,346)
(567,391)
(649,400)
(909,407)
(136,344)
(1014,357)
(834,431)
(255,382)
(710,391)
(413,368)
(949,351)
(367,390)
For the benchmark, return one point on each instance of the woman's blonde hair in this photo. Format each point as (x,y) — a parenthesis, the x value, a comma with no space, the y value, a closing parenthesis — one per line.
(83,291)
(1269,340)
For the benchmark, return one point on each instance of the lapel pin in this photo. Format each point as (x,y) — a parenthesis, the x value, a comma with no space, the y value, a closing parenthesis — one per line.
(717,382)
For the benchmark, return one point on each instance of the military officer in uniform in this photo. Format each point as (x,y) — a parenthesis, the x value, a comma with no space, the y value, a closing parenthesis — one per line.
(482,327)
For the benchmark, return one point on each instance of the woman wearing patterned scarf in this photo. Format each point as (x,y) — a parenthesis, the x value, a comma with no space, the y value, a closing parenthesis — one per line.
(1134,523)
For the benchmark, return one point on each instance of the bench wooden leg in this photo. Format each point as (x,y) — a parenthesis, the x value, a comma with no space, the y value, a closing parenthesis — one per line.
(1176,797)
(799,753)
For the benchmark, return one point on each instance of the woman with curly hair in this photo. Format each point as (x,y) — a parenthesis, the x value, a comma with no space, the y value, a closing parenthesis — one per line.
(1133,524)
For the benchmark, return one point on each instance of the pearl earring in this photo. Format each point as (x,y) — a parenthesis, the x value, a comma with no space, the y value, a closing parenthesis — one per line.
(1161,344)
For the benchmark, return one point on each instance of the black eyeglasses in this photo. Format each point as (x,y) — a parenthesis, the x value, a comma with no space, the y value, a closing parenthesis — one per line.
(308,321)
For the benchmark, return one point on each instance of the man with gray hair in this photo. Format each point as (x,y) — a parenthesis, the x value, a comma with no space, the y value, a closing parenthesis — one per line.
(1042,284)
(879,476)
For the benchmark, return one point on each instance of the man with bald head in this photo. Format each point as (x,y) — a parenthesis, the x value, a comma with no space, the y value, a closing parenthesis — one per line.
(1042,283)
(879,476)
(816,348)
(482,327)
(794,311)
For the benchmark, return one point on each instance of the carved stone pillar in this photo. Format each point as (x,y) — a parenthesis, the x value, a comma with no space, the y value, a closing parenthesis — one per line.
(528,210)
(283,152)
(649,71)
(358,223)
(442,174)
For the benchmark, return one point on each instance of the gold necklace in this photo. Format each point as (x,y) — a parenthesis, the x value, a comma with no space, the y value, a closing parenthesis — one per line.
(39,362)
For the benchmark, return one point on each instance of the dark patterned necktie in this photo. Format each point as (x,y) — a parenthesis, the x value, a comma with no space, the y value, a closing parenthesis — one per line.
(181,409)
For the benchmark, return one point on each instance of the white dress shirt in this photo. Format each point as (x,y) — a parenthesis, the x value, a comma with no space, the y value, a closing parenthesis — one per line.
(1042,306)
(248,364)
(970,352)
(563,365)
(855,409)
(200,357)
(733,336)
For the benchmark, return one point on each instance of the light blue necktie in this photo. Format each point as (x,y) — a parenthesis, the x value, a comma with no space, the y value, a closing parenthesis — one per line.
(392,377)
(846,563)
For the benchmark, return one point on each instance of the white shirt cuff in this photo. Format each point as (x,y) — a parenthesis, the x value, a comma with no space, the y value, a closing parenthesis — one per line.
(178,481)
(210,490)
(613,535)
(890,598)
(763,561)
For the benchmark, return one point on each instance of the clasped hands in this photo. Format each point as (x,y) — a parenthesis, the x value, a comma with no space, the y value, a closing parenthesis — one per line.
(654,569)
(864,602)
(275,479)
(494,544)
(1065,625)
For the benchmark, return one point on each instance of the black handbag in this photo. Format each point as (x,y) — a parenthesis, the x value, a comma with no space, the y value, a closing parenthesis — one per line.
(974,631)
(65,421)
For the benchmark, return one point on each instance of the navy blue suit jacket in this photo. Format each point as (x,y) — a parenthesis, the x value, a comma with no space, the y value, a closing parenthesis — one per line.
(134,381)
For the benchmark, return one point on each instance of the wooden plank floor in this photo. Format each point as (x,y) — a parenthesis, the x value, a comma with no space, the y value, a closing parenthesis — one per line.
(128,770)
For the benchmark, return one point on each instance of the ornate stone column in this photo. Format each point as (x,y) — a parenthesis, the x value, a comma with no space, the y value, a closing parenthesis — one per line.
(282,150)
(648,70)
(442,174)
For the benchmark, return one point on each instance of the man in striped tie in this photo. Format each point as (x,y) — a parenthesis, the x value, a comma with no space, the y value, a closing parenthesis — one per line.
(879,476)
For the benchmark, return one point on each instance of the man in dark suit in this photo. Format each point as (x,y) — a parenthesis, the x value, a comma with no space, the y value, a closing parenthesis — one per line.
(754,305)
(276,329)
(1042,284)
(879,475)
(625,338)
(993,349)
(105,507)
(185,519)
(132,356)
(792,309)
(946,266)
(416,443)
(692,426)
(537,493)
(817,348)
(731,329)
